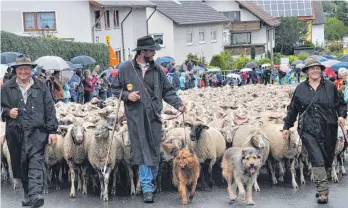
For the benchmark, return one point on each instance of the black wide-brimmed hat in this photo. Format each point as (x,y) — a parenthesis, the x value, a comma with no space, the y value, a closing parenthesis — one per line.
(147,43)
(23,60)
(312,62)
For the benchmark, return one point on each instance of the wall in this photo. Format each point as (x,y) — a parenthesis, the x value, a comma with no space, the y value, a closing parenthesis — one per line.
(134,27)
(226,6)
(71,17)
(160,24)
(318,34)
(208,49)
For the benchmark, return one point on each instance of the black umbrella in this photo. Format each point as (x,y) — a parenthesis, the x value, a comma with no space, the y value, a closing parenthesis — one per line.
(344,58)
(9,57)
(74,66)
(83,60)
(251,65)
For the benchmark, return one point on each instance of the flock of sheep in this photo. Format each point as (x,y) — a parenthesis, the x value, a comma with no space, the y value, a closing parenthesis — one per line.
(249,116)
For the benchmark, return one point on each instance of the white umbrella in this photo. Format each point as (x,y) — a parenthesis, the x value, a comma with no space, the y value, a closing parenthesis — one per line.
(237,76)
(300,66)
(329,63)
(52,63)
(246,70)
(3,70)
(266,65)
(284,68)
(65,76)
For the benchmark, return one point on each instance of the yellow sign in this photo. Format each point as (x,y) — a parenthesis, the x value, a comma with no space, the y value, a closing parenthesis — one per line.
(129,87)
(345,51)
(107,39)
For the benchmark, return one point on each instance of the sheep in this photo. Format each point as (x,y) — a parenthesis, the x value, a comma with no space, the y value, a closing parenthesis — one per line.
(340,147)
(209,145)
(102,152)
(280,151)
(76,144)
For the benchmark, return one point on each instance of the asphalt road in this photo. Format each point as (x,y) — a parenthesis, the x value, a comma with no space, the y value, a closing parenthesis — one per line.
(271,196)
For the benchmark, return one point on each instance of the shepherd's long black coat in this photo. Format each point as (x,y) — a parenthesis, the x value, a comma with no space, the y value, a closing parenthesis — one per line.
(144,124)
(320,127)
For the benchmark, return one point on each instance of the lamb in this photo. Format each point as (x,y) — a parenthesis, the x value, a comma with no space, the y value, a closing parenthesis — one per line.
(280,150)
(252,136)
(99,155)
(209,145)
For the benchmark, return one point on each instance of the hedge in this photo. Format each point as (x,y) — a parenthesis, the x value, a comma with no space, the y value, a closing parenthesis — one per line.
(36,47)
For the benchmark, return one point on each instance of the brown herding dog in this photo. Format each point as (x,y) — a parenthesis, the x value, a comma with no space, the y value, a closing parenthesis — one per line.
(185,170)
(239,166)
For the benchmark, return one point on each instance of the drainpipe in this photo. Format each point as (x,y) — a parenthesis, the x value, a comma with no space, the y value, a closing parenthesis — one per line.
(271,43)
(147,21)
(98,20)
(122,35)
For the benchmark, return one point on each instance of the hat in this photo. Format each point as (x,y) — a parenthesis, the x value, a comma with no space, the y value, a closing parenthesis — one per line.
(312,62)
(147,43)
(342,70)
(23,60)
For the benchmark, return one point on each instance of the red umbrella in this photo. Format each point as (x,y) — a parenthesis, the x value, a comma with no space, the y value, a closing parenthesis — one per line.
(329,72)
(165,69)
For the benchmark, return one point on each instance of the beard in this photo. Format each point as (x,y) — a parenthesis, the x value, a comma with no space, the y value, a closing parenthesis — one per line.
(148,59)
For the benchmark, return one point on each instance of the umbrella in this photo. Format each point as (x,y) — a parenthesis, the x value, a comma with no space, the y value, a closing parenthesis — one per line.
(343,58)
(251,65)
(318,58)
(335,67)
(53,63)
(75,78)
(198,68)
(329,72)
(284,68)
(168,57)
(120,65)
(300,66)
(83,60)
(266,65)
(330,63)
(3,70)
(9,57)
(246,70)
(74,66)
(66,76)
(214,69)
(294,63)
(330,57)
(237,76)
(107,72)
(163,60)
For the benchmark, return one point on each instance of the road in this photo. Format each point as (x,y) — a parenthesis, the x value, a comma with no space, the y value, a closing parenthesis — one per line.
(271,196)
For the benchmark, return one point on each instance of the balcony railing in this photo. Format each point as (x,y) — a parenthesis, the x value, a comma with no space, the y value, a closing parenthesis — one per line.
(243,26)
(245,49)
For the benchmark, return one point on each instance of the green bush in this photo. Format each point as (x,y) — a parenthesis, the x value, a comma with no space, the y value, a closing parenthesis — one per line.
(264,61)
(228,59)
(308,44)
(197,60)
(277,57)
(240,62)
(292,58)
(335,46)
(38,47)
(217,60)
(303,55)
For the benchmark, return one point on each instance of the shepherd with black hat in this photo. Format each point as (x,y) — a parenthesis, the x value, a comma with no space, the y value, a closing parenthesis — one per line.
(30,116)
(320,108)
(144,86)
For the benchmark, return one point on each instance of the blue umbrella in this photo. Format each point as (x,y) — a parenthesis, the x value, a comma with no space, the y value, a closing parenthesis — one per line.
(330,57)
(75,78)
(318,58)
(106,72)
(83,60)
(251,65)
(163,60)
(74,66)
(9,57)
(335,67)
(344,58)
(120,65)
(168,57)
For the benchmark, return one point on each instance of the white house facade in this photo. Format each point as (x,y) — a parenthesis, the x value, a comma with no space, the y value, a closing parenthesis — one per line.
(80,21)
(249,26)
(186,27)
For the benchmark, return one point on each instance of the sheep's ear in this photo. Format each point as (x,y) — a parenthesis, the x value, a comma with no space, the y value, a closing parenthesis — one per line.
(205,127)
(188,124)
(167,147)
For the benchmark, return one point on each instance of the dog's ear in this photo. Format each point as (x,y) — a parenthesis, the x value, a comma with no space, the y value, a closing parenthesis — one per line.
(243,154)
(174,152)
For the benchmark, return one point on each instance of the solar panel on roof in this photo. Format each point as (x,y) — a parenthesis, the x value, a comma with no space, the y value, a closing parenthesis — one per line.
(286,8)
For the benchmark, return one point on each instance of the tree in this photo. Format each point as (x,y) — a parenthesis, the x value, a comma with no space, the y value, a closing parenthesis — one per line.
(288,33)
(253,52)
(335,29)
(227,58)
(217,60)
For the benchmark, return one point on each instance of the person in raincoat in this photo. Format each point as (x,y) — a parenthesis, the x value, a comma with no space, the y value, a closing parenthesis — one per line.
(319,125)
(143,108)
(30,116)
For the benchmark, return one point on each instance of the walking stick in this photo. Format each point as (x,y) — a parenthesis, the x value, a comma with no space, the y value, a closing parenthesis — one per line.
(113,129)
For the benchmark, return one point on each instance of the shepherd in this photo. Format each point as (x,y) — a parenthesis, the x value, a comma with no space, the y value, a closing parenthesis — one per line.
(144,86)
(321,108)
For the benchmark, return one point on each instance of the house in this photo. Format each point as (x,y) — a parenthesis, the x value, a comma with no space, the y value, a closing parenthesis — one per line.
(310,11)
(249,26)
(186,27)
(82,21)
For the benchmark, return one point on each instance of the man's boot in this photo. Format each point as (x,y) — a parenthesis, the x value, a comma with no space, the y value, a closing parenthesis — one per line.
(37,201)
(148,197)
(323,199)
(26,201)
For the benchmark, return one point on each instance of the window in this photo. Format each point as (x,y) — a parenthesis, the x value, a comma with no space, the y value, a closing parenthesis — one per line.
(96,17)
(201,37)
(189,38)
(213,35)
(36,21)
(107,19)
(118,54)
(116,19)
(233,15)
(158,38)
(241,38)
